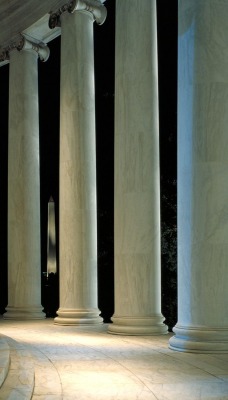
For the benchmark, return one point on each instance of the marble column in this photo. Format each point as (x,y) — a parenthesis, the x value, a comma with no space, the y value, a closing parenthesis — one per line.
(78,210)
(202,178)
(24,264)
(137,187)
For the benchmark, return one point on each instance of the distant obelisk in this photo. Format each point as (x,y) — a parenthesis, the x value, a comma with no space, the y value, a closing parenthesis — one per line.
(51,245)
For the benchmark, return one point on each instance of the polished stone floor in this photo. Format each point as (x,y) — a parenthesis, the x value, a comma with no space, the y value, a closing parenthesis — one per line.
(88,363)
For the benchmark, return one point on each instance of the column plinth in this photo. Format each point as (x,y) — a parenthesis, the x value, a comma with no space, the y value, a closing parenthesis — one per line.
(24,313)
(77,317)
(137,326)
(199,339)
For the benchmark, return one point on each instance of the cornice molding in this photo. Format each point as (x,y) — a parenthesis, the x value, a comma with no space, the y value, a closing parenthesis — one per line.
(21,44)
(54,19)
(4,56)
(95,7)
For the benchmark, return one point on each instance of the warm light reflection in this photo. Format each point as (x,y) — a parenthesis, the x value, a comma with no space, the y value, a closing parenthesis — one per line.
(88,363)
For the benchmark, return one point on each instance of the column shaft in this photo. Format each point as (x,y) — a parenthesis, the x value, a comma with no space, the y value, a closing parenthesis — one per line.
(202,178)
(24,273)
(78,215)
(137,187)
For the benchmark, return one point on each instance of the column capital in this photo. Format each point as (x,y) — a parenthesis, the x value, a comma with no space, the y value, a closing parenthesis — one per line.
(95,7)
(21,43)
(41,49)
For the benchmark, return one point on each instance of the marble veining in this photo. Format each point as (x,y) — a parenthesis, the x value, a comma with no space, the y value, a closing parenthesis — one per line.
(24,259)
(78,225)
(137,179)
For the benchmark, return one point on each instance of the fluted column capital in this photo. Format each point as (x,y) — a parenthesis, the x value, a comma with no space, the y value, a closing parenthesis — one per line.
(95,7)
(22,43)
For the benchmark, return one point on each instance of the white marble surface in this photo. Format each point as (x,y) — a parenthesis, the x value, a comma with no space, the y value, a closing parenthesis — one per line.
(137,185)
(4,359)
(87,363)
(202,177)
(24,273)
(19,382)
(78,223)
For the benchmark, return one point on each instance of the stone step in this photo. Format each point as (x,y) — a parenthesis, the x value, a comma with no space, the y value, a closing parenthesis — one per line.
(4,359)
(47,381)
(27,373)
(19,382)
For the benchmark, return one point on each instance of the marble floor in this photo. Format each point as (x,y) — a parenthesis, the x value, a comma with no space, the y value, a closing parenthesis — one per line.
(88,363)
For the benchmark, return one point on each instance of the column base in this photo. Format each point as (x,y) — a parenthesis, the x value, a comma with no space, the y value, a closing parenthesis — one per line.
(199,339)
(68,316)
(140,326)
(24,313)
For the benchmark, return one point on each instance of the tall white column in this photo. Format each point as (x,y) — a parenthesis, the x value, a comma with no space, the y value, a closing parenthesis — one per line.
(202,178)
(24,269)
(78,210)
(137,187)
